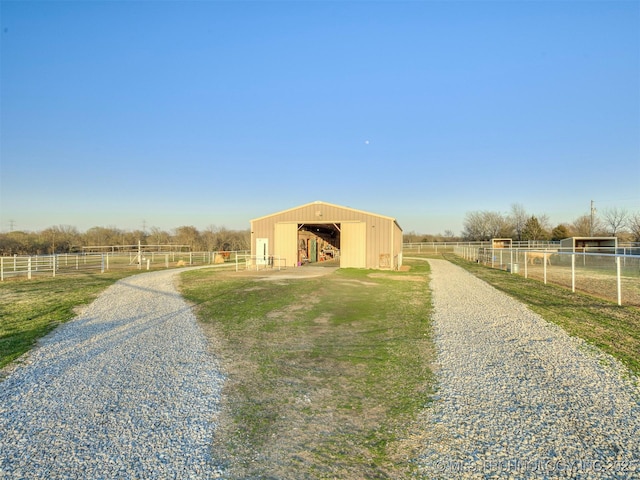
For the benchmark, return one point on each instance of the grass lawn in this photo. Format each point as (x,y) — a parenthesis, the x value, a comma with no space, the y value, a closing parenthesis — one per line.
(29,309)
(325,374)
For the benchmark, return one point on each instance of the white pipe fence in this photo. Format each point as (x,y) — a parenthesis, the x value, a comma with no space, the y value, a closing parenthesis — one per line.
(614,275)
(64,264)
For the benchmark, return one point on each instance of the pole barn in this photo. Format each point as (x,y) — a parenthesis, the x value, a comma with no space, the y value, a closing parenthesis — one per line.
(322,232)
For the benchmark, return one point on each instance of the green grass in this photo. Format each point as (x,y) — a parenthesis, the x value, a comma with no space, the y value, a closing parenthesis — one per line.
(612,328)
(325,374)
(29,309)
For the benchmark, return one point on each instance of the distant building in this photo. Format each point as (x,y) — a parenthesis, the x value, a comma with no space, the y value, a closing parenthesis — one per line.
(322,232)
(589,244)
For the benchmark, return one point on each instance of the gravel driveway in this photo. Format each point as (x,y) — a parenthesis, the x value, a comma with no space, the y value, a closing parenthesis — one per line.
(126,390)
(519,398)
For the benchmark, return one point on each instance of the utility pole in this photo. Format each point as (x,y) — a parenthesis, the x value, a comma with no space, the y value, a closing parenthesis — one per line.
(593,214)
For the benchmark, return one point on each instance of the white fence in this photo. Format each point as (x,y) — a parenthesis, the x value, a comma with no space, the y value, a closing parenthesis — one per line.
(614,276)
(65,264)
(260,262)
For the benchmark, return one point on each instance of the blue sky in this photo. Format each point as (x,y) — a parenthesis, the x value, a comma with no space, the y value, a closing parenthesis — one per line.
(202,113)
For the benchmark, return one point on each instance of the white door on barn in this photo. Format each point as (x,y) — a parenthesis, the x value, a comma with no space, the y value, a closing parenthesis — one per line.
(262,251)
(353,245)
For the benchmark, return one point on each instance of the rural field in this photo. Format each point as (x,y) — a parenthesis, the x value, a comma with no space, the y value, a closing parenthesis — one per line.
(326,373)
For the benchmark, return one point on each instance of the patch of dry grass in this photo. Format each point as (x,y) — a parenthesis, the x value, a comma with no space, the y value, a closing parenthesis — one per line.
(325,375)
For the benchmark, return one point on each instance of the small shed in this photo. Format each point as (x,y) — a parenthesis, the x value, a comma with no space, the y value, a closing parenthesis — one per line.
(501,242)
(323,232)
(589,244)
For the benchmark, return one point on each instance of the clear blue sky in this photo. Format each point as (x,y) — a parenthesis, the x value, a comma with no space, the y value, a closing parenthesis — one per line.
(213,113)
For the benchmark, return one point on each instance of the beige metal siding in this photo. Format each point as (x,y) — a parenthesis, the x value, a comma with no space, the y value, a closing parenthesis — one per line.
(378,239)
(286,243)
(353,241)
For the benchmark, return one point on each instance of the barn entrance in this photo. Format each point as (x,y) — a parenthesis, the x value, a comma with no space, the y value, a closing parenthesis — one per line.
(319,244)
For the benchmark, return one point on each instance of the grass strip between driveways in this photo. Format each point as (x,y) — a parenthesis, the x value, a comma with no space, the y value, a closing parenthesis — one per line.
(612,328)
(325,375)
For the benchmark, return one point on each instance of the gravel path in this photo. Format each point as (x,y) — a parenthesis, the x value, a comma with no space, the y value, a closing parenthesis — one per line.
(518,398)
(126,390)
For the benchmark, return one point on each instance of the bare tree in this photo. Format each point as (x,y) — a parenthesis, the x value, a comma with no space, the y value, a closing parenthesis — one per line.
(187,235)
(615,219)
(485,225)
(518,218)
(60,238)
(634,226)
(582,226)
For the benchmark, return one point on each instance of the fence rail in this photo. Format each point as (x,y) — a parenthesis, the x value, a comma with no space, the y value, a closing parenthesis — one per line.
(614,276)
(73,263)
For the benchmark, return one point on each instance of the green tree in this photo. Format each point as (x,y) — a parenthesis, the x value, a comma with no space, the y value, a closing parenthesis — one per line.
(560,232)
(533,230)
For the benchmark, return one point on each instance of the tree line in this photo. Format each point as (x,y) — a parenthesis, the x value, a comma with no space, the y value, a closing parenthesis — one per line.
(522,226)
(478,226)
(67,239)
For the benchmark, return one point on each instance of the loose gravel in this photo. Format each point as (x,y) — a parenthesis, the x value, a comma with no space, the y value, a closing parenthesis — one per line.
(519,398)
(126,390)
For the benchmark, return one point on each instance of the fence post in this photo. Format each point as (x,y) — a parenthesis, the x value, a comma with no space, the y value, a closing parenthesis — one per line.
(53,262)
(29,268)
(544,263)
(573,272)
(619,280)
(102,263)
(1,269)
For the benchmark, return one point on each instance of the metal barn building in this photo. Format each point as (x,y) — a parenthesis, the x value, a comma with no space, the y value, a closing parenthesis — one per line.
(321,232)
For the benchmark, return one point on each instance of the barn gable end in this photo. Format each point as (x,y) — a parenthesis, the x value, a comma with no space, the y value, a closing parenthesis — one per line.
(320,231)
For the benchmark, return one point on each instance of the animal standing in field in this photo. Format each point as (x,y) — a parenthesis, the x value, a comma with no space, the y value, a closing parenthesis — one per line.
(545,257)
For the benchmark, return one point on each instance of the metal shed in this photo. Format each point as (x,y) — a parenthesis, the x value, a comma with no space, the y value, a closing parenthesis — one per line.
(322,232)
(589,244)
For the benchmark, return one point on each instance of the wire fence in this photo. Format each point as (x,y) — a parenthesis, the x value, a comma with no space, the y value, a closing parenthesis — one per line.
(614,276)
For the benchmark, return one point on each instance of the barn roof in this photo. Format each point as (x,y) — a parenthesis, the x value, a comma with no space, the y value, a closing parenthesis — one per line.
(318,202)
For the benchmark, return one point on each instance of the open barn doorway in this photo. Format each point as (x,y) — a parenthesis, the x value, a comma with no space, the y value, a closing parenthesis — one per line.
(319,244)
